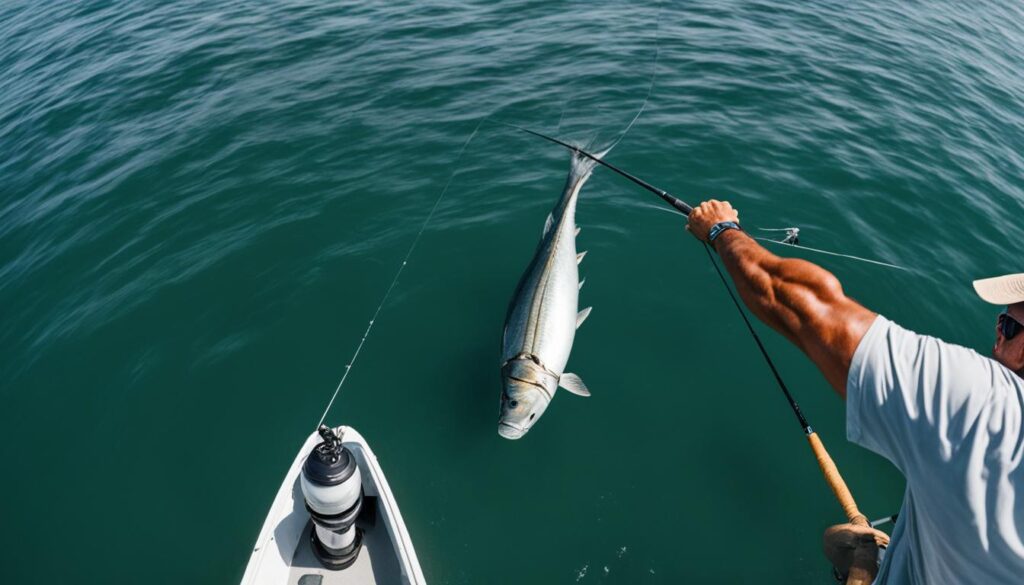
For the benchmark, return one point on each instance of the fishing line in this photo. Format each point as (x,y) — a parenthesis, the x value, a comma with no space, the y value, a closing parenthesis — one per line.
(650,87)
(802,247)
(757,339)
(825,462)
(401,267)
(797,246)
(437,202)
(647,98)
(792,234)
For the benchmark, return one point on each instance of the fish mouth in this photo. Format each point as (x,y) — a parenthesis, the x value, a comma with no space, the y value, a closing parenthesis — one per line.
(510,431)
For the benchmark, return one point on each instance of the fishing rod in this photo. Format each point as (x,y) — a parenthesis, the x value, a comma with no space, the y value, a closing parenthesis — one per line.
(675,202)
(825,462)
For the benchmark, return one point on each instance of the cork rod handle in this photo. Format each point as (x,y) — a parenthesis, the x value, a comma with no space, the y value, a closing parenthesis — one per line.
(835,481)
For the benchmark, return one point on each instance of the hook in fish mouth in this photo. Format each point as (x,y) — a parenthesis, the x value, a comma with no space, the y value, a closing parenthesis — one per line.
(510,431)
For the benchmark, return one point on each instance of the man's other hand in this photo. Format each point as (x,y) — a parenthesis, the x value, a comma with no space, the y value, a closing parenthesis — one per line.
(853,549)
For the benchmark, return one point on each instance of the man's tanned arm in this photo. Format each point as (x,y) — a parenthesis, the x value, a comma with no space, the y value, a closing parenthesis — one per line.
(798,299)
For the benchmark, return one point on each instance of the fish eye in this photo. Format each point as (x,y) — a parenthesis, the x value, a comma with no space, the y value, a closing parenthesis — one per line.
(513,403)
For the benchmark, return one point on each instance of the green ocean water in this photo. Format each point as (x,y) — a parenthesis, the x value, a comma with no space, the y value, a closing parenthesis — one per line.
(202,204)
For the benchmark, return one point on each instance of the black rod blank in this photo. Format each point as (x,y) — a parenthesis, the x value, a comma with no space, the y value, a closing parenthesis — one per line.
(685,209)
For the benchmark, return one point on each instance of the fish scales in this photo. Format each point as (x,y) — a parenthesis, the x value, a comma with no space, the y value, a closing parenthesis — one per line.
(543,315)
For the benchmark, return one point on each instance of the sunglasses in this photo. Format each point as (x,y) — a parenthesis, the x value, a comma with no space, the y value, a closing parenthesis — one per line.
(1008,326)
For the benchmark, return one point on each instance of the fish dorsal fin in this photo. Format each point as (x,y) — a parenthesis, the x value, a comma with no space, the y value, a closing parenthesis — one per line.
(579,257)
(582,316)
(550,221)
(574,384)
(580,287)
(578,228)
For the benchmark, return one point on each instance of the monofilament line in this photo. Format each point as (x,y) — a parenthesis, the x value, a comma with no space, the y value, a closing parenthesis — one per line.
(851,257)
(650,87)
(398,273)
(799,247)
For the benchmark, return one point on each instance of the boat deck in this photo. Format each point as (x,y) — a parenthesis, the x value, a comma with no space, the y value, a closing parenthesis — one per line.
(283,553)
(376,562)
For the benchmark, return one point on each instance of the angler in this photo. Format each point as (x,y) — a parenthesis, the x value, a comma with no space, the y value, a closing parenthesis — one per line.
(950,419)
(542,317)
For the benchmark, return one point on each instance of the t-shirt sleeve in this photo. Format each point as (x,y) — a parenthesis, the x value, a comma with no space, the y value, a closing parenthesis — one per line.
(913,398)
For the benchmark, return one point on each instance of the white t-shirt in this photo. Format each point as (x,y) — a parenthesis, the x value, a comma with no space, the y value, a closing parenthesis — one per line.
(950,420)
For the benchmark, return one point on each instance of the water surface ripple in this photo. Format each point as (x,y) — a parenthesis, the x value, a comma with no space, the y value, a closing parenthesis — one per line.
(203,202)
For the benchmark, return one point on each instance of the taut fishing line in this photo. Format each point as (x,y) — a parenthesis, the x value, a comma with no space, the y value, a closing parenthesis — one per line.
(650,87)
(437,202)
(401,267)
(647,97)
(757,339)
(802,247)
(789,232)
(825,462)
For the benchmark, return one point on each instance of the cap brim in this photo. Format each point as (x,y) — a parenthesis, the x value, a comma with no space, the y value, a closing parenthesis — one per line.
(1001,290)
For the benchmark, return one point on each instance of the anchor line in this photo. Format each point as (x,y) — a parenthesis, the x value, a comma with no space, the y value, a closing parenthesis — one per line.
(401,267)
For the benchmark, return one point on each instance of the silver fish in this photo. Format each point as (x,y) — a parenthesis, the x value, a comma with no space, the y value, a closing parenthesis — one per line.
(542,317)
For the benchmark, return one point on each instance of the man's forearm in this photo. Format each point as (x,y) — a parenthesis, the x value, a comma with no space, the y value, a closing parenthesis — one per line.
(800,300)
(777,290)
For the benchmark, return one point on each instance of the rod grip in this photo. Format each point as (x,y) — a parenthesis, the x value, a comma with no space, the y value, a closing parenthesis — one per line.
(835,481)
(680,205)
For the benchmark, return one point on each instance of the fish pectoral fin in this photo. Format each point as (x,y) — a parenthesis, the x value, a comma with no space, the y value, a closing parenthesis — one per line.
(550,221)
(574,384)
(582,315)
(580,287)
(579,257)
(577,231)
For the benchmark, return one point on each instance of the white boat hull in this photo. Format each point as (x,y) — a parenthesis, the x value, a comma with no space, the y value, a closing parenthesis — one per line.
(283,554)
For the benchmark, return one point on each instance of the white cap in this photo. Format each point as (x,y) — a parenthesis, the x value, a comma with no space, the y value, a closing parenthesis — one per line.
(1001,290)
